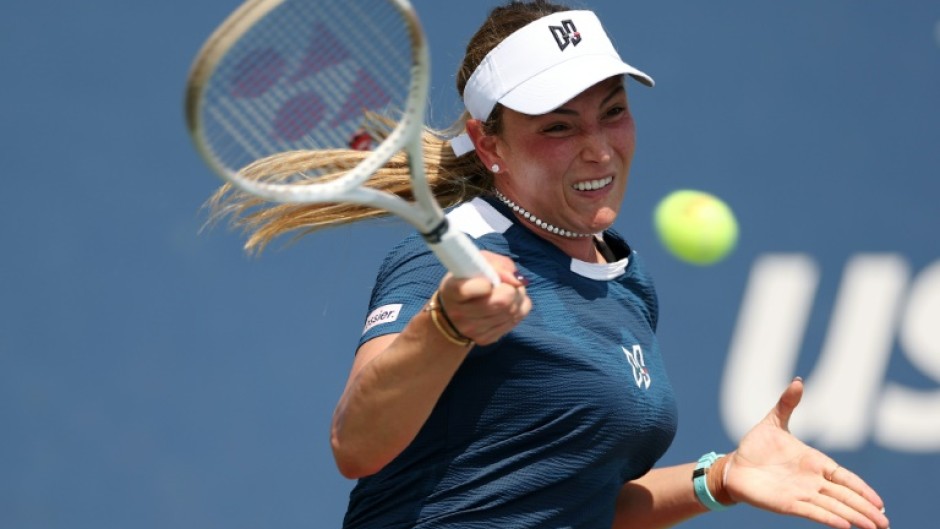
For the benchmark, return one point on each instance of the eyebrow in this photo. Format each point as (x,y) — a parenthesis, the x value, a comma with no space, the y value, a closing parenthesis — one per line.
(613,93)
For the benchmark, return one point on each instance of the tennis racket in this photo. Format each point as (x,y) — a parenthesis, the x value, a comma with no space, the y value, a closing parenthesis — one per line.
(291,75)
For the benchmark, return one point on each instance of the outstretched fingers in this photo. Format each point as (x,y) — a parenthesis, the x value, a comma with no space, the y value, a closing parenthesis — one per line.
(840,499)
(840,508)
(851,491)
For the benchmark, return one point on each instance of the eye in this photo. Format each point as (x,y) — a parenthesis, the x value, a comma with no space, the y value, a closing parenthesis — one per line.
(556,128)
(616,110)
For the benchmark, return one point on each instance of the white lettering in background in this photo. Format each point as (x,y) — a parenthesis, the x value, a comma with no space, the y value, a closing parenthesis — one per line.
(847,399)
(907,417)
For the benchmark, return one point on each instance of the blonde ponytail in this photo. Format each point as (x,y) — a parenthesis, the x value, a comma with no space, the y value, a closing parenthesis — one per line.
(452,180)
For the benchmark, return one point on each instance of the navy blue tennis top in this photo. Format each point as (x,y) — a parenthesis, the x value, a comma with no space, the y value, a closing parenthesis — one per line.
(542,428)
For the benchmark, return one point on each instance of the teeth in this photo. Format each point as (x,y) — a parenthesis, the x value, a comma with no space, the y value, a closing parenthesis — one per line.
(591,185)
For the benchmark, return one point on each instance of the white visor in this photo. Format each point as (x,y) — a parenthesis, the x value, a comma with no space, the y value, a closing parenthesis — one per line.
(546,64)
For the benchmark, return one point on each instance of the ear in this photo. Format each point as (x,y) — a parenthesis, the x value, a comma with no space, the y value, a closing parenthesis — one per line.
(485,145)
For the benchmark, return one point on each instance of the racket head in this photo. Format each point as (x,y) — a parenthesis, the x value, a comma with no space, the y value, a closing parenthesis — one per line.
(289,75)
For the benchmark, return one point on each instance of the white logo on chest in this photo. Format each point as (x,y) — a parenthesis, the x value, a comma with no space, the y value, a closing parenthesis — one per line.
(640,373)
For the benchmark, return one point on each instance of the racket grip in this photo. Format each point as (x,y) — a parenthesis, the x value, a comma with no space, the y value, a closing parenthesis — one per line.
(458,253)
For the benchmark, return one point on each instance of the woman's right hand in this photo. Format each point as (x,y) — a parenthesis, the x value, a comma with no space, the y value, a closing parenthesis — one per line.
(484,312)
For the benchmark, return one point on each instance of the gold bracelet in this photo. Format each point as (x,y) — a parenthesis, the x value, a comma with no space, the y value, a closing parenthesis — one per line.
(450,324)
(433,307)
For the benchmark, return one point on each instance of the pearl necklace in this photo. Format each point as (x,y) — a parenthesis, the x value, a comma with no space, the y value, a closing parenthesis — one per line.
(537,221)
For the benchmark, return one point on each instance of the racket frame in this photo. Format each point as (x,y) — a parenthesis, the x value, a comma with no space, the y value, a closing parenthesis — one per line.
(452,247)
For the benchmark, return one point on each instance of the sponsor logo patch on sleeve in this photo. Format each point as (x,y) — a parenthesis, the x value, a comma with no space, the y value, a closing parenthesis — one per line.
(383,314)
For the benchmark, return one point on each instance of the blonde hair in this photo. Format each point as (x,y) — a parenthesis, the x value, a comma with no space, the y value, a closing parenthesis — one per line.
(452,179)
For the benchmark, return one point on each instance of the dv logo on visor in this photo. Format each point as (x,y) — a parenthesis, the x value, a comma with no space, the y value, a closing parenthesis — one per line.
(565,34)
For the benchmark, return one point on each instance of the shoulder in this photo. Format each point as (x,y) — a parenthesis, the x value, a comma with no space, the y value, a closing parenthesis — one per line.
(479,219)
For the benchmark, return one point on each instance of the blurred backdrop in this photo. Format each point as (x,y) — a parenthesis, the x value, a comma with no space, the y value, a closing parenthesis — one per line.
(153,376)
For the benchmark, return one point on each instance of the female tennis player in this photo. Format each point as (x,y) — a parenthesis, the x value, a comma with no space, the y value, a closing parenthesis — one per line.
(541,401)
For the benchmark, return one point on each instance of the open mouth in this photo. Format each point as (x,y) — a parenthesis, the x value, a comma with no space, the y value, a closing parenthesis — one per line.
(593,185)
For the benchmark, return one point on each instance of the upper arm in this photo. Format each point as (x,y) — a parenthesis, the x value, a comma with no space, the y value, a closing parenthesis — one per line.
(368,351)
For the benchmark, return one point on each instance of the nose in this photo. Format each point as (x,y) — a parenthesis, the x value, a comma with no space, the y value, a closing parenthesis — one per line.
(596,147)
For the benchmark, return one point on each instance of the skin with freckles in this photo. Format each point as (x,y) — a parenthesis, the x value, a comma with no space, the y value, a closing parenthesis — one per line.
(547,161)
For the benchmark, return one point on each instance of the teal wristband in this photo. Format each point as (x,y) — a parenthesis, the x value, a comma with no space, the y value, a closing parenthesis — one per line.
(700,482)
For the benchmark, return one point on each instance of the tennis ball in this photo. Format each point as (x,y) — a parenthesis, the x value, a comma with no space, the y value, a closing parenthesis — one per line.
(695,226)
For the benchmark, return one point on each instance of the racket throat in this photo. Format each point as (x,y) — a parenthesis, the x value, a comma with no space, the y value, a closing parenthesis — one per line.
(436,235)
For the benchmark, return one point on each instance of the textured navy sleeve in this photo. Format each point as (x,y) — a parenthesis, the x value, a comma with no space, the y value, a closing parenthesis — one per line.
(405,282)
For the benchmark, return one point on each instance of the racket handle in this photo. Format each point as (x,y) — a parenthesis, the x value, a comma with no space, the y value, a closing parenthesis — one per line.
(462,257)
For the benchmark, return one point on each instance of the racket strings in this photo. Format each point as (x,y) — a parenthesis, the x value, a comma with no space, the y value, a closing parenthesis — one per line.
(312,167)
(301,77)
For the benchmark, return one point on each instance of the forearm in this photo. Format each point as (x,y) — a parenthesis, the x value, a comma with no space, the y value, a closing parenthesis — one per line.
(662,498)
(389,398)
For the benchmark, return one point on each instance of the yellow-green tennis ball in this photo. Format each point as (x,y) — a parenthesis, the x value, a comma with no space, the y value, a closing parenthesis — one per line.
(695,226)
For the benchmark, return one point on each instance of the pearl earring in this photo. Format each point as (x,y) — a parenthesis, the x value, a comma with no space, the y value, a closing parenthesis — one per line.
(495,168)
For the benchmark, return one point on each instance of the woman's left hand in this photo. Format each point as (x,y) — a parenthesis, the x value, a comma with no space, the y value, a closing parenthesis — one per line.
(775,471)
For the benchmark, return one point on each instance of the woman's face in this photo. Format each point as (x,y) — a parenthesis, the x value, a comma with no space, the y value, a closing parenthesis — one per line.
(569,167)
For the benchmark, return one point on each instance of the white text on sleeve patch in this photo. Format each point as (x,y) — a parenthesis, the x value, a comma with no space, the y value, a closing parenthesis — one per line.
(383,314)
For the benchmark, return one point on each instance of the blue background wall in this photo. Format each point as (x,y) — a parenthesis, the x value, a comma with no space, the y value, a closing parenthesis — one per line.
(153,376)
